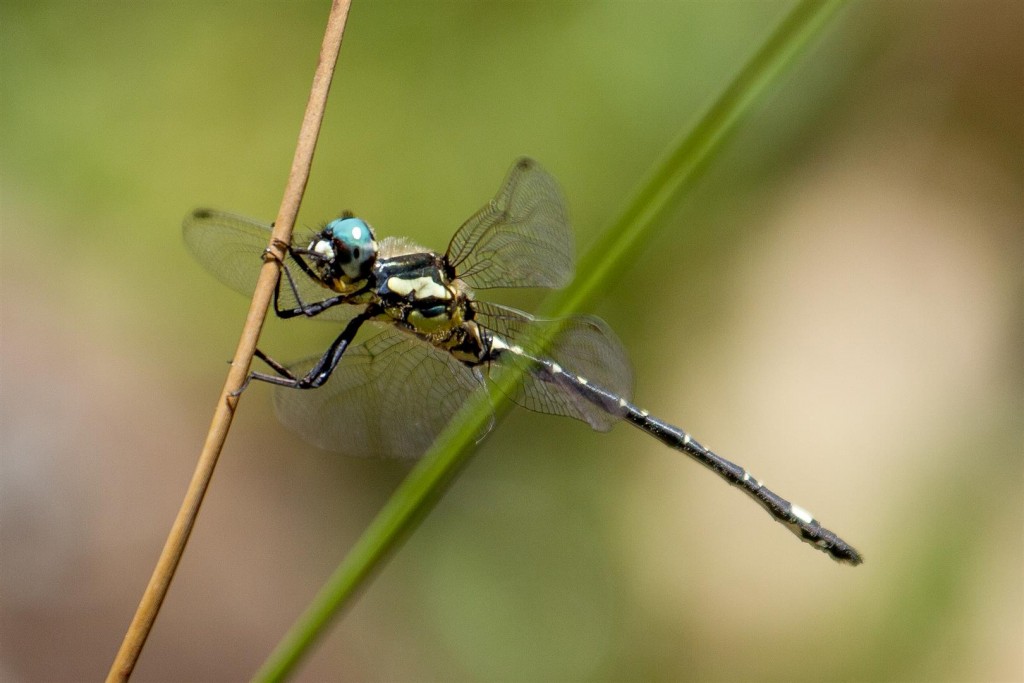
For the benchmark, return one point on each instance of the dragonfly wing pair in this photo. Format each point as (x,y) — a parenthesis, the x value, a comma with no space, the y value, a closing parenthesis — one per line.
(521,238)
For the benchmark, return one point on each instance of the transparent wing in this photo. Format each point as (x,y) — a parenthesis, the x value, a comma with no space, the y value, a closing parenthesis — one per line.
(521,238)
(231,248)
(585,346)
(510,324)
(390,396)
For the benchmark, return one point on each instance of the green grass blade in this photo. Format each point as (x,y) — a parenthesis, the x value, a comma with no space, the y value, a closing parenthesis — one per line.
(683,164)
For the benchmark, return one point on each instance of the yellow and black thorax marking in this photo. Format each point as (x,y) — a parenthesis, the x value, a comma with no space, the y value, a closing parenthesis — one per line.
(414,292)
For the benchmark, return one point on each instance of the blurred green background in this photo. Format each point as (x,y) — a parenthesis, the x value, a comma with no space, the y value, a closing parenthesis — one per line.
(852,262)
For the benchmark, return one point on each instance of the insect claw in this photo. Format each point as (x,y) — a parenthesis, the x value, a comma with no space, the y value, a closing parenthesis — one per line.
(238,392)
(276,251)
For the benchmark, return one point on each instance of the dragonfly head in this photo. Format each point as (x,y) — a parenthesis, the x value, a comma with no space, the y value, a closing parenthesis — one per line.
(344,252)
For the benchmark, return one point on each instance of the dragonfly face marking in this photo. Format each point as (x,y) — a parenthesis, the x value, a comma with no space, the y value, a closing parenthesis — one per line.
(323,248)
(394,391)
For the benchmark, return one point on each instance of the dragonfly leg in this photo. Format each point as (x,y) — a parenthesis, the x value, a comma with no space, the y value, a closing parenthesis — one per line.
(275,366)
(321,370)
(308,310)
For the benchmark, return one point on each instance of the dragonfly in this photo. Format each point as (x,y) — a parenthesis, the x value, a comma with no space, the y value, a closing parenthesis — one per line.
(433,345)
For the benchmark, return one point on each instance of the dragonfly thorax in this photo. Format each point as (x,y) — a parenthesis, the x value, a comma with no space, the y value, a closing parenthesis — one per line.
(414,290)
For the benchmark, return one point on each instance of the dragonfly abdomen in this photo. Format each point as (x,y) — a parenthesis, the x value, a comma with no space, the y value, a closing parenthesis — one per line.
(795,518)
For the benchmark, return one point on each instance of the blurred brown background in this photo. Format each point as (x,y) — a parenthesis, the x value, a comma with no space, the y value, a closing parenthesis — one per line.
(853,263)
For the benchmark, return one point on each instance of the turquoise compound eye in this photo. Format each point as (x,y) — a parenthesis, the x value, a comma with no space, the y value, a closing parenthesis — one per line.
(355,250)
